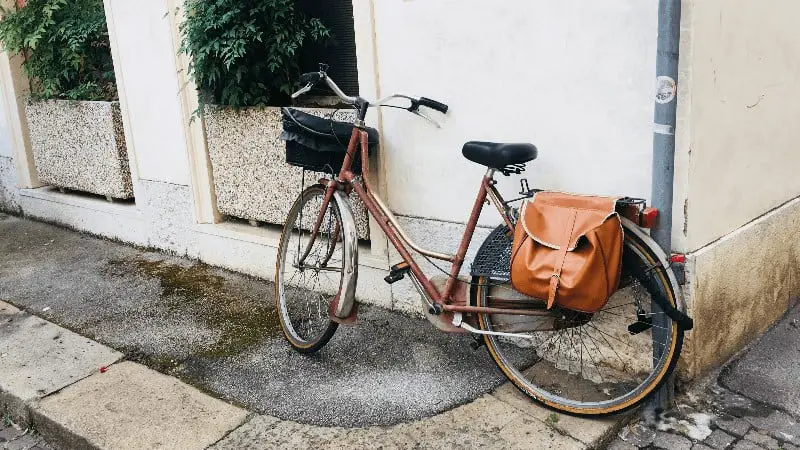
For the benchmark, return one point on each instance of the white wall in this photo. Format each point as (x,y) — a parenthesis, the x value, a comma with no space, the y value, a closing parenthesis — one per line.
(573,77)
(146,60)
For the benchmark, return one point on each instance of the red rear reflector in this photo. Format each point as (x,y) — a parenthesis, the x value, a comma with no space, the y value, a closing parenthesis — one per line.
(677,258)
(648,218)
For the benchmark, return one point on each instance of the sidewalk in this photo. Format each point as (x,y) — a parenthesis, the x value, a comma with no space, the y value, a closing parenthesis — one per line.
(108,346)
(752,403)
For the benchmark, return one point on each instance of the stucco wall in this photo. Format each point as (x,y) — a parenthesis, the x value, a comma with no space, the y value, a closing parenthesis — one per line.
(9,200)
(740,285)
(573,77)
(736,212)
(739,145)
(9,193)
(5,133)
(145,61)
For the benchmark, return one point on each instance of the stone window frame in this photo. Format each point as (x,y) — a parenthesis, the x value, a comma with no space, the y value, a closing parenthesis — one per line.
(201,175)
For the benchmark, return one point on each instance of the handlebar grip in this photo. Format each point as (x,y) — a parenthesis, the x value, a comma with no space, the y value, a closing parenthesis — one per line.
(310,78)
(433,104)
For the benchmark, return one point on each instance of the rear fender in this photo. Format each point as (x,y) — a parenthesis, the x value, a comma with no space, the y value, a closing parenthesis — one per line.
(677,314)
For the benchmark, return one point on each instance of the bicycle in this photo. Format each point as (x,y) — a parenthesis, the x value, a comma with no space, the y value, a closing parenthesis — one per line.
(583,364)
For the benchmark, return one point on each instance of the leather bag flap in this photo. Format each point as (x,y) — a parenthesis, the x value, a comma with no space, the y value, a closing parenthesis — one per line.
(547,214)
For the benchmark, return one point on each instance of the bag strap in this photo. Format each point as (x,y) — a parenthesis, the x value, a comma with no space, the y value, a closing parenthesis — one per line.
(555,279)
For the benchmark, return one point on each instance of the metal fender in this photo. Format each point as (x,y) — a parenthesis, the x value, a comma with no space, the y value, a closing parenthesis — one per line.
(343,306)
(681,318)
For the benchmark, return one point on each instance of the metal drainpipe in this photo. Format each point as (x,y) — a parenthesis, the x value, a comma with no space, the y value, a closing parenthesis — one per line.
(669,33)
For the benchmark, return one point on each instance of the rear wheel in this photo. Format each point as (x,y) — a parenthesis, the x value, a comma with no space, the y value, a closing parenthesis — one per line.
(309,272)
(592,364)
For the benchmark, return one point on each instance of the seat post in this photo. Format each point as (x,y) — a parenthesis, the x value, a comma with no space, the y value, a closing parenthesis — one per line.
(490,173)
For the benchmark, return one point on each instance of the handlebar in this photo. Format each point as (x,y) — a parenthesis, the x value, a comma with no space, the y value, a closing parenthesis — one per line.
(433,104)
(311,79)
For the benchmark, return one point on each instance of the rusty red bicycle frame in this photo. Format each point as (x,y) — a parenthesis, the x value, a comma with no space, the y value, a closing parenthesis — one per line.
(347,181)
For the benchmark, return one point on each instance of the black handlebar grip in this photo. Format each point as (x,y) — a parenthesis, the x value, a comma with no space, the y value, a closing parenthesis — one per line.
(433,104)
(310,78)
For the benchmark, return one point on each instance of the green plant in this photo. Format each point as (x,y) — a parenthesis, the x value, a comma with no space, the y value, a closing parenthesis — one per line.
(66,48)
(244,53)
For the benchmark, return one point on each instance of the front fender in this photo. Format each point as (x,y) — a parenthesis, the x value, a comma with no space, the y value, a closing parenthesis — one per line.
(342,307)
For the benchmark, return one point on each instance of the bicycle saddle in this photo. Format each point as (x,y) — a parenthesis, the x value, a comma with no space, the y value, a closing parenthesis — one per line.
(496,155)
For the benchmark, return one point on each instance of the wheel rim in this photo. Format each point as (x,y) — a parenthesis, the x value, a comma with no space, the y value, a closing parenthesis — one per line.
(305,289)
(598,367)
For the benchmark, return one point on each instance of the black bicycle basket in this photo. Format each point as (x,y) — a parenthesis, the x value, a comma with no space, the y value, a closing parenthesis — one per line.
(320,144)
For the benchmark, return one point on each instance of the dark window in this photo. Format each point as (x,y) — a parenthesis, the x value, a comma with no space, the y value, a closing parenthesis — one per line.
(340,53)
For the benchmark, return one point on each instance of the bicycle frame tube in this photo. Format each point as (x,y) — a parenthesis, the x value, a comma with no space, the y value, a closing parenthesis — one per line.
(400,240)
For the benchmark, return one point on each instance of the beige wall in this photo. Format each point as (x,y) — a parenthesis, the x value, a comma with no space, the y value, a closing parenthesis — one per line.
(739,145)
(738,152)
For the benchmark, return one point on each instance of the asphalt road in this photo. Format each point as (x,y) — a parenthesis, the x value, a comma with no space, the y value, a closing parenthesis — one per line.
(218,330)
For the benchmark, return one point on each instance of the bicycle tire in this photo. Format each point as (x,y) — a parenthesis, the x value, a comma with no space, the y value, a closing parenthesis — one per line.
(660,373)
(290,319)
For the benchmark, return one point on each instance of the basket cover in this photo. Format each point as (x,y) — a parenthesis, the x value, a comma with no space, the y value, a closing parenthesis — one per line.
(320,144)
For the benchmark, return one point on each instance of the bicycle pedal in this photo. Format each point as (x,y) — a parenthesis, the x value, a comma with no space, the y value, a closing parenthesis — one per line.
(394,277)
(397,272)
(641,326)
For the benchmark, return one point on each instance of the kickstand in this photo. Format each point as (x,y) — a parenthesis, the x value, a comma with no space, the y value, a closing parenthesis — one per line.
(477,342)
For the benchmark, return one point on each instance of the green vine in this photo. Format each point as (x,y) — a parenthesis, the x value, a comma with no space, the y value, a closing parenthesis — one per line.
(66,48)
(244,52)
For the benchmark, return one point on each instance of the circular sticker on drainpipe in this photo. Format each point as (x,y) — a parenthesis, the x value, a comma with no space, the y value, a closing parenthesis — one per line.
(666,88)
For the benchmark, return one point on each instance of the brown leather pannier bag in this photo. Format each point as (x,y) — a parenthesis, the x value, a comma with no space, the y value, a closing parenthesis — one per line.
(568,249)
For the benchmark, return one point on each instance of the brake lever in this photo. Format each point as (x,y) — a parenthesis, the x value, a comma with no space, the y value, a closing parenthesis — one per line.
(429,119)
(302,90)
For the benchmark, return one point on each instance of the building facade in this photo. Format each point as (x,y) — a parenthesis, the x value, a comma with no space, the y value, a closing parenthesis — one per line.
(575,78)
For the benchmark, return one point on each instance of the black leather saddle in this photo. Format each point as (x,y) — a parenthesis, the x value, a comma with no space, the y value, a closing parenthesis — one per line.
(498,156)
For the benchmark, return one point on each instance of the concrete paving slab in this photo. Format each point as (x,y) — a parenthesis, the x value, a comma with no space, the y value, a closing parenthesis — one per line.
(38,358)
(133,407)
(770,371)
(484,423)
(487,423)
(591,432)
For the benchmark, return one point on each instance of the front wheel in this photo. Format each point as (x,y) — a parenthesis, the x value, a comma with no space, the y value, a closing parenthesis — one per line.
(308,273)
(592,364)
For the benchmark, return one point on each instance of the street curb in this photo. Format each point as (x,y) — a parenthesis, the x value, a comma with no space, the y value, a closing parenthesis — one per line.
(56,433)
(40,359)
